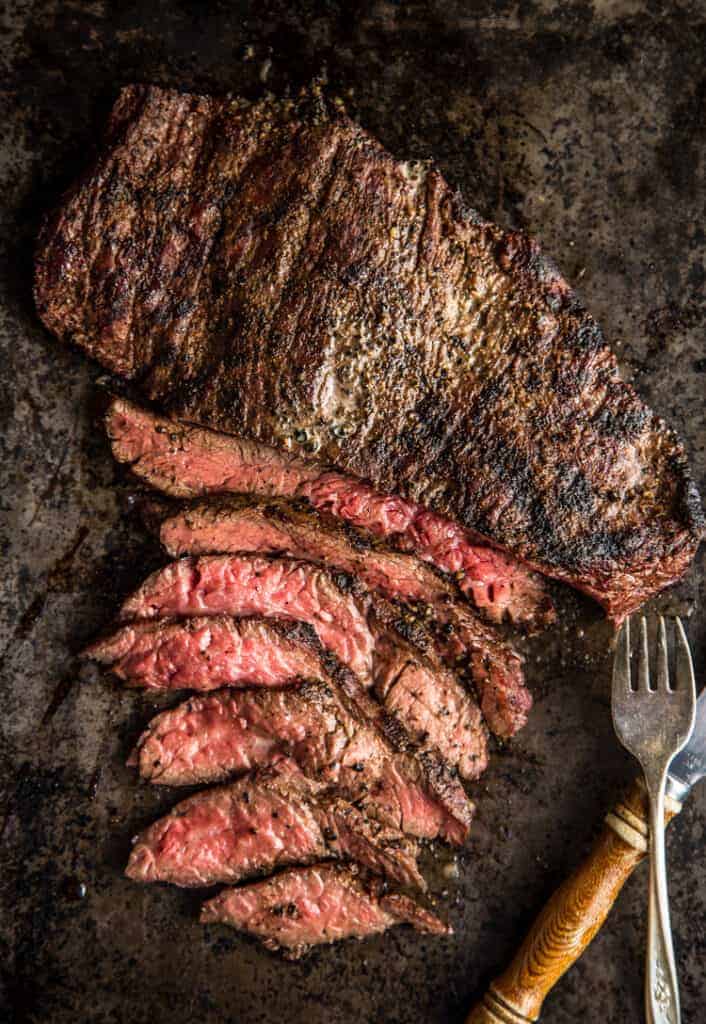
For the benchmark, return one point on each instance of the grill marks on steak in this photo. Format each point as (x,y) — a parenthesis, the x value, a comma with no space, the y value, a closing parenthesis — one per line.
(273,819)
(428,700)
(298,267)
(186,461)
(305,907)
(221,585)
(207,739)
(273,527)
(206,653)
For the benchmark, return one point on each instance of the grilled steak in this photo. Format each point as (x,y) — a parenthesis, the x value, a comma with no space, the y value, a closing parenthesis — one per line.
(272,819)
(273,527)
(255,586)
(186,461)
(410,788)
(189,462)
(430,703)
(207,739)
(268,269)
(499,585)
(207,653)
(305,907)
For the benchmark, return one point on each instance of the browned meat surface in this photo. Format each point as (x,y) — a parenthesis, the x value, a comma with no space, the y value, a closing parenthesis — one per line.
(427,699)
(207,739)
(269,270)
(274,527)
(205,653)
(186,461)
(305,907)
(270,820)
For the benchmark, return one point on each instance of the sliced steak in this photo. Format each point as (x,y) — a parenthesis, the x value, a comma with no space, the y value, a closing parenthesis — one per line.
(271,527)
(410,788)
(348,624)
(268,269)
(270,820)
(206,653)
(207,739)
(428,699)
(305,907)
(499,585)
(186,461)
(257,586)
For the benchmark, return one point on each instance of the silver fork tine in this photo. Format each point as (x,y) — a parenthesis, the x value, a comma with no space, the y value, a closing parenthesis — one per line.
(621,663)
(662,657)
(684,674)
(643,671)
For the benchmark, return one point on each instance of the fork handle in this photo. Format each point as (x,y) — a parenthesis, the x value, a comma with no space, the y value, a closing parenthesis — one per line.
(661,985)
(572,917)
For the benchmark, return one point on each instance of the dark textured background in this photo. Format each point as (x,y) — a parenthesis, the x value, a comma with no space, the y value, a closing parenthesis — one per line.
(583,123)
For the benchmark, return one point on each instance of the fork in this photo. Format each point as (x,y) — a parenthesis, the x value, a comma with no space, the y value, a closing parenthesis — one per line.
(653,724)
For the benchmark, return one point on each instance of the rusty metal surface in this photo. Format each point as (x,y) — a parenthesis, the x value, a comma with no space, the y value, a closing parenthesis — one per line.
(583,123)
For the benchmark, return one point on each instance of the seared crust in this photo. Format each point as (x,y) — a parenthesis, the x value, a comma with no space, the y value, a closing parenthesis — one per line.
(270,270)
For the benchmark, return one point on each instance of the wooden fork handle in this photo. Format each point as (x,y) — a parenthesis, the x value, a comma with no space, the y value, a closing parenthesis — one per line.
(572,917)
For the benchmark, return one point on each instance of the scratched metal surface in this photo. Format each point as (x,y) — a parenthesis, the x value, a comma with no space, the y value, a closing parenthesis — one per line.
(583,123)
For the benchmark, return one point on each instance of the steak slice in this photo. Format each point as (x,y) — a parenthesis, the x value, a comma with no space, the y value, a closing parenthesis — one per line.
(257,586)
(425,696)
(207,739)
(189,462)
(186,462)
(270,820)
(305,907)
(430,703)
(207,653)
(268,269)
(499,585)
(272,526)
